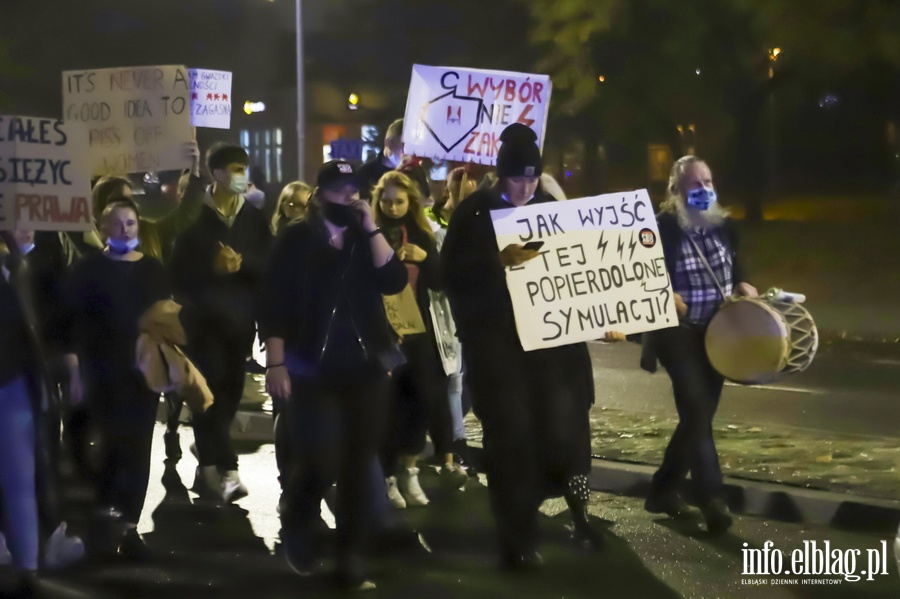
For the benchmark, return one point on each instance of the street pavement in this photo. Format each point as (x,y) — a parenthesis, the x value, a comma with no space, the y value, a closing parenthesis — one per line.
(222,552)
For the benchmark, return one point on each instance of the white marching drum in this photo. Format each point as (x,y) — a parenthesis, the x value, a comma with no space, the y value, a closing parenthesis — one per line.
(753,340)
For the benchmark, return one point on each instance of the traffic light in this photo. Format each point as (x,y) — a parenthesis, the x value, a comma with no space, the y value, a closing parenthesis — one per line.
(353,102)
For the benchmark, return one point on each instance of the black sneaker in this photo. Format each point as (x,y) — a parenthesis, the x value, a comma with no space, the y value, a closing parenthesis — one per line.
(718,516)
(133,547)
(670,504)
(351,574)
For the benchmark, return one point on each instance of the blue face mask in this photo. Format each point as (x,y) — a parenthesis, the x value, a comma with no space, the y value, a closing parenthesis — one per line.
(26,249)
(702,198)
(117,246)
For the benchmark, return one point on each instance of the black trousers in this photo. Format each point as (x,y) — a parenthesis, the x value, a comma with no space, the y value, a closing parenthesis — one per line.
(125,411)
(335,432)
(418,403)
(697,388)
(534,407)
(221,356)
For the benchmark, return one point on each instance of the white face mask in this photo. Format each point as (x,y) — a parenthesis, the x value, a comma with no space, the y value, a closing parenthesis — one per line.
(394,159)
(238,184)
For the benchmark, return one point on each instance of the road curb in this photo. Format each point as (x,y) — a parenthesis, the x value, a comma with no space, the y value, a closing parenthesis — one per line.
(784,503)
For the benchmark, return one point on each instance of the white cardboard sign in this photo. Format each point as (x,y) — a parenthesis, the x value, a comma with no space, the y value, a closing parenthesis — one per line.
(210,98)
(458,114)
(601,269)
(137,117)
(44,176)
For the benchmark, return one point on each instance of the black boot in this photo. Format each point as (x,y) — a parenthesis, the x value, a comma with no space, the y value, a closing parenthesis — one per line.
(173,446)
(577,495)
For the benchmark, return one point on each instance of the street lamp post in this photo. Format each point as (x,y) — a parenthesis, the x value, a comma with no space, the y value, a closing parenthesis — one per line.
(301,112)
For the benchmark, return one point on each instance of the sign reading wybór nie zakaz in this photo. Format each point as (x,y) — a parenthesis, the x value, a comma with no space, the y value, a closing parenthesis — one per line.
(601,269)
(45,181)
(458,114)
(138,117)
(210,98)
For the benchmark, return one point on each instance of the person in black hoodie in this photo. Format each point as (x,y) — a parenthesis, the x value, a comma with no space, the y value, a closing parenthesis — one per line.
(329,348)
(533,405)
(216,269)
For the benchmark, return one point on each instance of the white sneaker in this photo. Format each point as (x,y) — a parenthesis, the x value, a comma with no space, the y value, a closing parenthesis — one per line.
(5,555)
(232,487)
(62,550)
(408,482)
(208,483)
(393,493)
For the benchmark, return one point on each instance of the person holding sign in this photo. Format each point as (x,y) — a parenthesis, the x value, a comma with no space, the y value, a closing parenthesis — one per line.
(107,293)
(701,252)
(329,348)
(216,270)
(533,405)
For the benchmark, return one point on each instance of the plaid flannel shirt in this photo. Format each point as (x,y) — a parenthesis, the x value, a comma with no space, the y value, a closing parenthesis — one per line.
(693,282)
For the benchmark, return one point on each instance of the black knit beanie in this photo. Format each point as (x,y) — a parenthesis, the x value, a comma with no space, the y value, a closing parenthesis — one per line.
(519,155)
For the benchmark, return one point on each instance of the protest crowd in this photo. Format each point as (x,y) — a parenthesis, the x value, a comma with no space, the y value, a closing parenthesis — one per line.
(387,315)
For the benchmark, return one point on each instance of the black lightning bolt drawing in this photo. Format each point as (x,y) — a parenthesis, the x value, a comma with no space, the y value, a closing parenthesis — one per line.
(632,245)
(620,245)
(601,245)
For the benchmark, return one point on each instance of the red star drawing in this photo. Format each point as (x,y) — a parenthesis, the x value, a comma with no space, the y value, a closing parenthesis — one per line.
(216,97)
(209,96)
(225,96)
(194,96)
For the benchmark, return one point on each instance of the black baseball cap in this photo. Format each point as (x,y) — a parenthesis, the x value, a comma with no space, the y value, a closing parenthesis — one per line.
(336,174)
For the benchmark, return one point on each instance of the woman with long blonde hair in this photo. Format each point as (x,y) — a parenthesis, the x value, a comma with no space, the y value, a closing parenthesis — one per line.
(291,205)
(420,402)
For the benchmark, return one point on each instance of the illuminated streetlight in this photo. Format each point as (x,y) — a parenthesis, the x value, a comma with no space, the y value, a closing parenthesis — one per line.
(353,102)
(601,78)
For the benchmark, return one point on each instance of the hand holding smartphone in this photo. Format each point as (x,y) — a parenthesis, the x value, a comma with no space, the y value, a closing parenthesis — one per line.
(533,245)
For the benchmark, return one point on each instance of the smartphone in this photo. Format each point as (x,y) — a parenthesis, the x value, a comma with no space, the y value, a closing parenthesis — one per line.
(533,245)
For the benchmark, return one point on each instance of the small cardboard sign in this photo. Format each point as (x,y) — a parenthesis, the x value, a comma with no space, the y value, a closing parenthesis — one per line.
(138,118)
(601,269)
(44,175)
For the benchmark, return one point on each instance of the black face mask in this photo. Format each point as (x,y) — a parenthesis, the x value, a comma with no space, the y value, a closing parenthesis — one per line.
(340,215)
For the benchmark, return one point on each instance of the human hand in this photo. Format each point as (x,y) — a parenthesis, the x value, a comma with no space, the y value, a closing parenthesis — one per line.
(412,253)
(515,255)
(192,153)
(681,308)
(613,336)
(746,290)
(364,214)
(278,382)
(227,260)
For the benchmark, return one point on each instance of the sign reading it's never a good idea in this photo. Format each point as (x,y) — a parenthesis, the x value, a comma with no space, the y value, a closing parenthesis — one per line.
(138,118)
(601,269)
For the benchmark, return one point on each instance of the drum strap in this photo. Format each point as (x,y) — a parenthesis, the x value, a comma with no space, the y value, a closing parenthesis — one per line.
(707,266)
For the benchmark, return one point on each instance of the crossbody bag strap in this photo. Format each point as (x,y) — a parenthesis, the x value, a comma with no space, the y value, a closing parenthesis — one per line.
(707,266)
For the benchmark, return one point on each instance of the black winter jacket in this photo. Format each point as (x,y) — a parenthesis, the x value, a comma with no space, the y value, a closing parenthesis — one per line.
(303,287)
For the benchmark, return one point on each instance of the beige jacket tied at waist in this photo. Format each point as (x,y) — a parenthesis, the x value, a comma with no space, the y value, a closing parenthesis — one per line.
(163,364)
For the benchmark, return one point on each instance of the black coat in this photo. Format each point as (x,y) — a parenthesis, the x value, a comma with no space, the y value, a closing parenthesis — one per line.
(225,302)
(302,289)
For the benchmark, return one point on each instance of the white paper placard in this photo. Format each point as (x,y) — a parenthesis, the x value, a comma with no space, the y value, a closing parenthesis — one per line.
(601,269)
(458,114)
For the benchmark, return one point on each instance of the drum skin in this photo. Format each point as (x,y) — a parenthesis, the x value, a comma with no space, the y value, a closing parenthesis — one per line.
(748,342)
